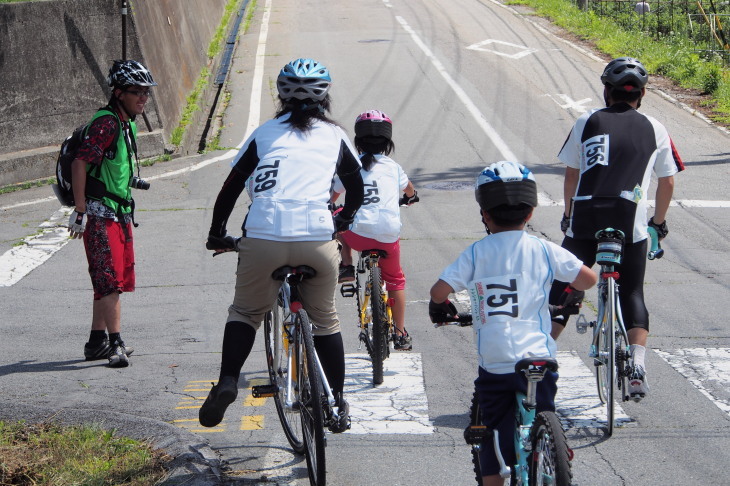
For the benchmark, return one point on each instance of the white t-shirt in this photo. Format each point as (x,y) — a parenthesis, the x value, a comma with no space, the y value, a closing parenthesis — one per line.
(379,216)
(291,185)
(508,276)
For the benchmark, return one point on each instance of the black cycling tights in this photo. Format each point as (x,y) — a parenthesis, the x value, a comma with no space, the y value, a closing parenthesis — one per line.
(631,278)
(331,352)
(238,339)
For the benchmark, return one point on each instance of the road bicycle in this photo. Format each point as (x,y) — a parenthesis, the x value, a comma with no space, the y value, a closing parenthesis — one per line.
(304,401)
(541,448)
(610,345)
(375,316)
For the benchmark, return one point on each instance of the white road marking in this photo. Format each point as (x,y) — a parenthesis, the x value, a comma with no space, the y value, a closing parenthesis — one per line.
(577,406)
(481,120)
(397,406)
(708,369)
(521,51)
(569,104)
(20,260)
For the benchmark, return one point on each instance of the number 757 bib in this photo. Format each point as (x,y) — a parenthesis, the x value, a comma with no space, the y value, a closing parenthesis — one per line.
(495,299)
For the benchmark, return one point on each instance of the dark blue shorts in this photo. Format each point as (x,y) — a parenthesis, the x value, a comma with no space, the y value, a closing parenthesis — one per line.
(497,403)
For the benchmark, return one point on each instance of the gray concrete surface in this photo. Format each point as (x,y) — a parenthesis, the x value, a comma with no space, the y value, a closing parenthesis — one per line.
(54,58)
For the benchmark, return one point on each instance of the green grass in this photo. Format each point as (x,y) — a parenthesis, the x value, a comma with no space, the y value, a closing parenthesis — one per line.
(50,455)
(672,56)
(192,103)
(26,185)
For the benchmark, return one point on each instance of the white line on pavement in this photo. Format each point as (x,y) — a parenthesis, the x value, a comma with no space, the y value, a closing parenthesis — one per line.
(397,406)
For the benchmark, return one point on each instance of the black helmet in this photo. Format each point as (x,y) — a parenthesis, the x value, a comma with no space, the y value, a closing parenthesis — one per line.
(625,73)
(129,73)
(505,183)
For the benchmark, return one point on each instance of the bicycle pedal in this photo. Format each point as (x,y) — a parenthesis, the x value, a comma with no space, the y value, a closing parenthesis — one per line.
(348,290)
(261,391)
(476,434)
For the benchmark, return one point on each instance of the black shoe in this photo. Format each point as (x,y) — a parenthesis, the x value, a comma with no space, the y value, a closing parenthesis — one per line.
(342,420)
(220,396)
(117,356)
(402,342)
(100,350)
(347,274)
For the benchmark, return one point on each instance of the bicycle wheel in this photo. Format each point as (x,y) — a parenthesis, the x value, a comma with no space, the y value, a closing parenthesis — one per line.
(277,359)
(310,397)
(475,418)
(610,350)
(622,354)
(550,458)
(380,325)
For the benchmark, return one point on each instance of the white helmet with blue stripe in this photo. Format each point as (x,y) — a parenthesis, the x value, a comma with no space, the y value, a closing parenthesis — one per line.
(505,183)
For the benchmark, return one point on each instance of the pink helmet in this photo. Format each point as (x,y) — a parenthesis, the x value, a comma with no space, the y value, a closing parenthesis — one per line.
(373,123)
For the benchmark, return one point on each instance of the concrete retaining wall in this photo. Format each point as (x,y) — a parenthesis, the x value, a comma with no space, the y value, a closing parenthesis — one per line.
(54,58)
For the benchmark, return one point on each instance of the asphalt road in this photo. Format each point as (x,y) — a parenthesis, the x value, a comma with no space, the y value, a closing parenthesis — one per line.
(467,83)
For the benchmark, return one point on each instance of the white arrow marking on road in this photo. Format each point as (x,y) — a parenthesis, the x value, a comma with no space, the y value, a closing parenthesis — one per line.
(569,104)
(522,50)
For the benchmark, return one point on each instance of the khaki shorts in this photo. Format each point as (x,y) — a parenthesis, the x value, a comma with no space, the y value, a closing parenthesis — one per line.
(256,291)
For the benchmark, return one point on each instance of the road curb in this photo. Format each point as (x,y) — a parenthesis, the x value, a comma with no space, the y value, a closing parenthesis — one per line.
(194,463)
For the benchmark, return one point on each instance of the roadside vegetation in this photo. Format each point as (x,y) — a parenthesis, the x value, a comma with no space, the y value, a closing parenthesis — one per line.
(674,56)
(54,455)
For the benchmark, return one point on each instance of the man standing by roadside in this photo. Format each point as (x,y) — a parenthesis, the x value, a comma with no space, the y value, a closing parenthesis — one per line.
(610,155)
(102,178)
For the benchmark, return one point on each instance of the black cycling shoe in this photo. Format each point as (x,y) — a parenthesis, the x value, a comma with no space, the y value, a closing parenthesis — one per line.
(220,396)
(342,420)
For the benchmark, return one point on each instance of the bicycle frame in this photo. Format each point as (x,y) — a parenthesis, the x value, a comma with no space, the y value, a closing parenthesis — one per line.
(365,264)
(291,305)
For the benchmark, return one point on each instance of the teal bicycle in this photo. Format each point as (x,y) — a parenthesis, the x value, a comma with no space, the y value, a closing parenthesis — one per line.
(541,448)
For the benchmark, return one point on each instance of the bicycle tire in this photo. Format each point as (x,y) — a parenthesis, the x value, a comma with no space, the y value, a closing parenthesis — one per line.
(277,360)
(311,396)
(380,325)
(475,418)
(610,318)
(599,360)
(550,458)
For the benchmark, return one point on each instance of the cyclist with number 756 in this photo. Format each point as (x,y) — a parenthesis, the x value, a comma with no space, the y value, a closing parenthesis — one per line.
(287,165)
(610,155)
(508,275)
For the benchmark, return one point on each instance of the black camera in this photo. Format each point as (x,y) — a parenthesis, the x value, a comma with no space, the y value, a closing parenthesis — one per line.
(138,183)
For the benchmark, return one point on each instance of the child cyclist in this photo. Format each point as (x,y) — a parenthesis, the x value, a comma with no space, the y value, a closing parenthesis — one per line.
(377,224)
(508,275)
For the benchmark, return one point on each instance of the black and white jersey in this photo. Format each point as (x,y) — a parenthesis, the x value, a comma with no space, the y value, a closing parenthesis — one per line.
(616,149)
(289,179)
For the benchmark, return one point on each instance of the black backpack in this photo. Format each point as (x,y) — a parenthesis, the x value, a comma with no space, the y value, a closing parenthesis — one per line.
(69,148)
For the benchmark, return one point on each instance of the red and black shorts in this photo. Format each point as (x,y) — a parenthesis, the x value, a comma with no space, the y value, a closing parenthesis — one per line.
(110,252)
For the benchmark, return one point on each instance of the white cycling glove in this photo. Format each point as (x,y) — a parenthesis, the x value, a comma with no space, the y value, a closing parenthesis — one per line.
(77,224)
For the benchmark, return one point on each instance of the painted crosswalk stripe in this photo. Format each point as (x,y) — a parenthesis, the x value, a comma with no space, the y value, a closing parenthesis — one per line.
(397,406)
(577,400)
(708,369)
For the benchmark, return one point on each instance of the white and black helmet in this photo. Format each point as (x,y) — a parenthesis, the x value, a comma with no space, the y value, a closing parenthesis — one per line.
(505,183)
(625,73)
(129,73)
(304,79)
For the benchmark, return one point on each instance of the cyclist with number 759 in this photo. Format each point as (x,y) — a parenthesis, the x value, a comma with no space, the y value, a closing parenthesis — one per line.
(287,165)
(508,275)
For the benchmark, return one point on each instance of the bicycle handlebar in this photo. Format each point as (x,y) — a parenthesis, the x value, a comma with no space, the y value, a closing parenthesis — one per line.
(655,248)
